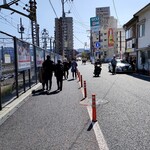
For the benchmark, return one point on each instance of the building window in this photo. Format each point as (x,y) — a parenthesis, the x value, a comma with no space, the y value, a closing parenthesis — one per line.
(129,33)
(141,31)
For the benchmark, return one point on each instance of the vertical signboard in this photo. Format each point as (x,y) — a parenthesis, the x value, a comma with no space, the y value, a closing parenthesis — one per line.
(39,56)
(110,37)
(94,24)
(24,59)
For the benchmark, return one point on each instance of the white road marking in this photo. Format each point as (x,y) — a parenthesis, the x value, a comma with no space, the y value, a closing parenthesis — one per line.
(98,133)
(97,130)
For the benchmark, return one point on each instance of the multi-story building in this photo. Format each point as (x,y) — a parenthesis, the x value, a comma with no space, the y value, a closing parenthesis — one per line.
(121,42)
(108,34)
(131,39)
(64,36)
(137,39)
(104,14)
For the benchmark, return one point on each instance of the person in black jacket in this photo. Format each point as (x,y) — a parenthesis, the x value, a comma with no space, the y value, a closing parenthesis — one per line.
(74,68)
(66,69)
(114,63)
(59,72)
(48,67)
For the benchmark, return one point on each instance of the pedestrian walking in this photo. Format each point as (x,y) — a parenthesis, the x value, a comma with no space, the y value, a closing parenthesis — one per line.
(74,68)
(114,63)
(66,68)
(59,72)
(41,77)
(48,66)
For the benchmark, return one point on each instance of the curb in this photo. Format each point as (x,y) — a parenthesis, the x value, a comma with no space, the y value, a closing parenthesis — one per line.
(8,110)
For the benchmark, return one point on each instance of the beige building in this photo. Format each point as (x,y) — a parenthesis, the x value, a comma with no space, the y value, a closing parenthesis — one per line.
(107,36)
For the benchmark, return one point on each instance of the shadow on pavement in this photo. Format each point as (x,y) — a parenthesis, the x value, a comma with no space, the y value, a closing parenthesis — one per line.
(91,126)
(53,92)
(139,76)
(41,92)
(82,99)
(71,80)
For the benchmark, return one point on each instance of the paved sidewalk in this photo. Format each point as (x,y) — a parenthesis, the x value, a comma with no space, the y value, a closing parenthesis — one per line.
(54,121)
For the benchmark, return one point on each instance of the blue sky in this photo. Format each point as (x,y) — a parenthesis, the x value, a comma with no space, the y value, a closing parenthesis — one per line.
(81,11)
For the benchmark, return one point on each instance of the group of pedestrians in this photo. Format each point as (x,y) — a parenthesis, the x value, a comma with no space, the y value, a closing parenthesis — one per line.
(60,70)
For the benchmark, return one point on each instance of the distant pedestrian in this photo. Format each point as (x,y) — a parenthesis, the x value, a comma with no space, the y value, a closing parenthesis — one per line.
(59,72)
(66,68)
(114,63)
(48,67)
(74,68)
(133,63)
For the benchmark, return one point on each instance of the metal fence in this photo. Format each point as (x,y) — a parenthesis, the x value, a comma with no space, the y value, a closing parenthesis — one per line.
(20,62)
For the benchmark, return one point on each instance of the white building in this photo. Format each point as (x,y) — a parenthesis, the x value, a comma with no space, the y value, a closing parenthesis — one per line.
(143,50)
(137,40)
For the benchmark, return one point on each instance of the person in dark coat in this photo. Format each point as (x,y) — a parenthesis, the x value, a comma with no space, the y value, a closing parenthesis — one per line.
(66,69)
(114,63)
(74,68)
(48,67)
(59,72)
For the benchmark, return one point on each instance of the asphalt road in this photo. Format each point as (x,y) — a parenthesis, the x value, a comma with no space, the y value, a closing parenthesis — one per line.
(56,121)
(123,107)
(61,121)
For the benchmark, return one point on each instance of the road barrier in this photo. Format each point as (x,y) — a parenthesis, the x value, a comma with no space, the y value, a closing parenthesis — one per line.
(85,92)
(79,76)
(81,80)
(94,108)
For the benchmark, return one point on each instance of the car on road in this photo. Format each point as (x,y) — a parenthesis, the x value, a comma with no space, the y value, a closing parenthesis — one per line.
(122,66)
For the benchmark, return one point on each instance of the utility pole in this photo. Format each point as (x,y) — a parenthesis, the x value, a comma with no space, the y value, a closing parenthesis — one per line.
(51,43)
(31,16)
(120,45)
(34,25)
(21,29)
(63,25)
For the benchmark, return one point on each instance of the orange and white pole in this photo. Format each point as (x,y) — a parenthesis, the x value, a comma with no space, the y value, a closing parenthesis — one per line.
(81,81)
(79,76)
(85,92)
(94,108)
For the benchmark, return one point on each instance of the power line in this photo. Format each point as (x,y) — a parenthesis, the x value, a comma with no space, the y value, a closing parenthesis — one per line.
(8,21)
(115,11)
(78,40)
(53,8)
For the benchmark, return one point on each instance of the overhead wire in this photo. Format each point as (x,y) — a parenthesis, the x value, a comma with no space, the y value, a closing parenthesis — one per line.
(53,8)
(115,11)
(78,21)
(7,21)
(13,21)
(78,40)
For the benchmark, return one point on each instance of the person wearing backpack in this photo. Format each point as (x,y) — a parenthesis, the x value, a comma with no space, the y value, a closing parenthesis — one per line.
(59,72)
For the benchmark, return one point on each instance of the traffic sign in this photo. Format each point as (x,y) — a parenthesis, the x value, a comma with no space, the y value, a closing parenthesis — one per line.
(97,45)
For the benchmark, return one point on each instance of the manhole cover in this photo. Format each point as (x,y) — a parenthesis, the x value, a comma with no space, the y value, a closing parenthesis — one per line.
(88,102)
